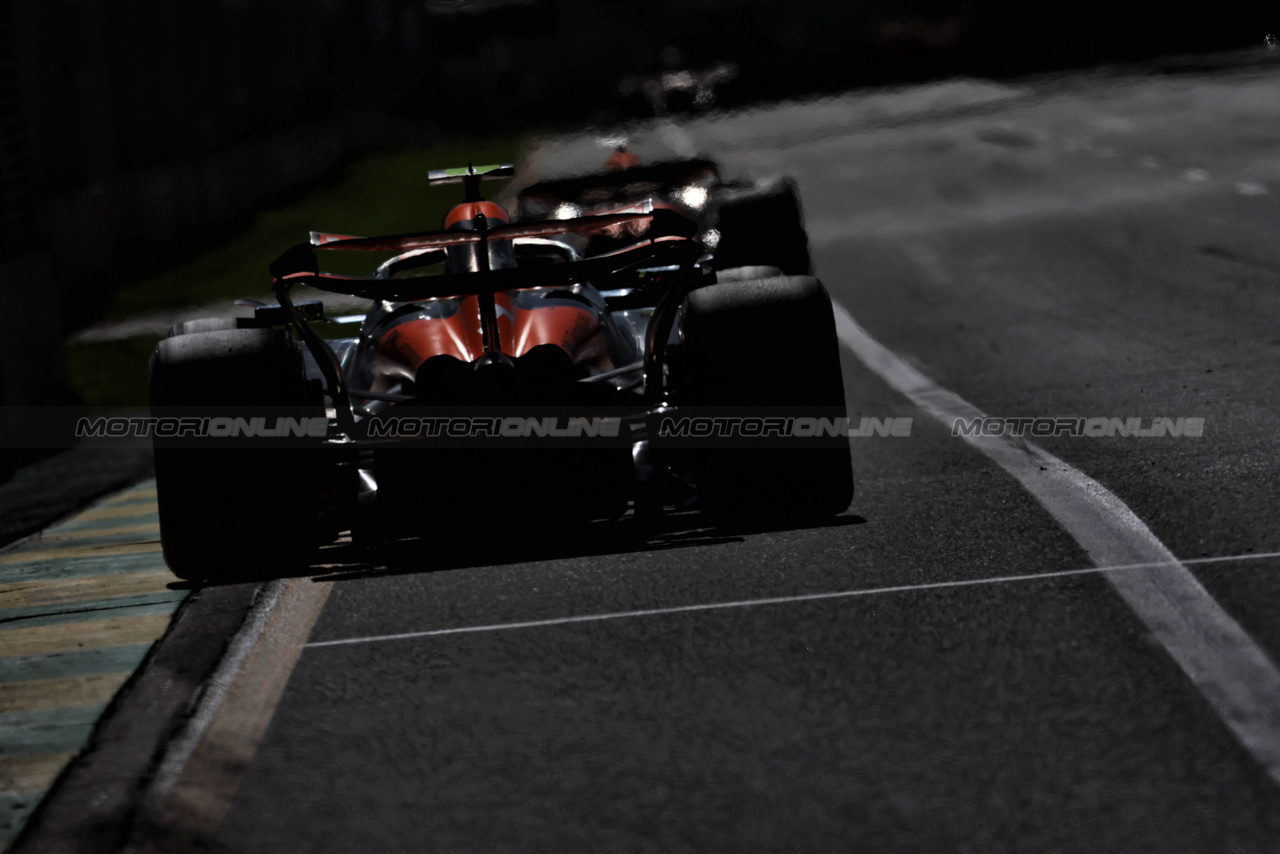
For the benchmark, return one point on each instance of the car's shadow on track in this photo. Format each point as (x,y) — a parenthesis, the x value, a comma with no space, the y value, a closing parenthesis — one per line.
(346,561)
(491,545)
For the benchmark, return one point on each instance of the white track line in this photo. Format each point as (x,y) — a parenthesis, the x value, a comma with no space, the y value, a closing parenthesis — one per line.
(1237,678)
(773,600)
(1240,682)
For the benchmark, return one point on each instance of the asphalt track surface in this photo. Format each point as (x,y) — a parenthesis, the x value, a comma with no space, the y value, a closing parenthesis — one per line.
(1083,246)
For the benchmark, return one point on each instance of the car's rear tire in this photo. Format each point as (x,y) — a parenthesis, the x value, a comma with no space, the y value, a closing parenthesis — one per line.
(207,324)
(749,273)
(768,344)
(762,226)
(231,513)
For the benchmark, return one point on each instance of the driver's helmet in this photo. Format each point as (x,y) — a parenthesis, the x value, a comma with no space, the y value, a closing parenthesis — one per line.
(465,258)
(621,159)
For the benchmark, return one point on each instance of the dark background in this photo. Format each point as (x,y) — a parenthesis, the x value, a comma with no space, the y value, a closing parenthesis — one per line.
(136,133)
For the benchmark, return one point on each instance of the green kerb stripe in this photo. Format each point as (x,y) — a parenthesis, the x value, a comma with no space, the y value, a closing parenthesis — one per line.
(48,730)
(79,662)
(32,615)
(69,567)
(104,611)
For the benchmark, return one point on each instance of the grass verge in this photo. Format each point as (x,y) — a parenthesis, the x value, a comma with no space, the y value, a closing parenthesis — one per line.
(384,193)
(381,194)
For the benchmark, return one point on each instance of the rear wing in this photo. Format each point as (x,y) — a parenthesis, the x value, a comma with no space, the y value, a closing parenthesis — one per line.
(669,235)
(660,223)
(666,233)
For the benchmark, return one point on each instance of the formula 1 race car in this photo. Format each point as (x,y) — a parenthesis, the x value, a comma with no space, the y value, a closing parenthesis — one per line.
(519,333)
(742,222)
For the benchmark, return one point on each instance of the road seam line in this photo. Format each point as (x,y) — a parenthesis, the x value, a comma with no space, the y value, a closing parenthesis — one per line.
(798,598)
(1233,673)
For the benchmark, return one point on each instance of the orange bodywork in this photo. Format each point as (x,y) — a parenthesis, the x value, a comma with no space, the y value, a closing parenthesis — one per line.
(468,210)
(576,330)
(621,159)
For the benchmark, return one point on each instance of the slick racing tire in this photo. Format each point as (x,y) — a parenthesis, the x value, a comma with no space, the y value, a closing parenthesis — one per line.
(207,324)
(232,513)
(746,274)
(767,346)
(762,226)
